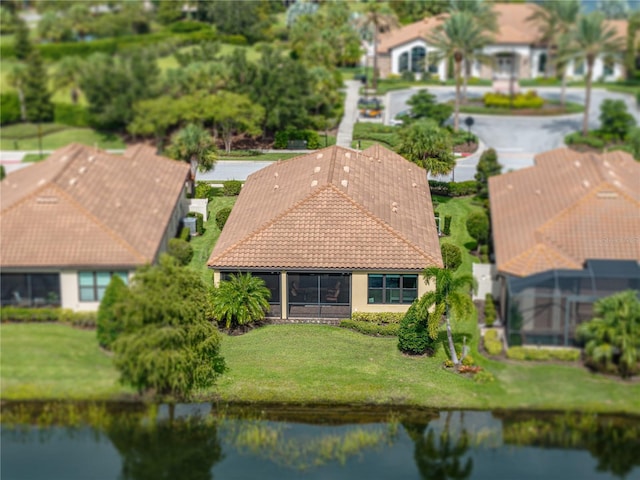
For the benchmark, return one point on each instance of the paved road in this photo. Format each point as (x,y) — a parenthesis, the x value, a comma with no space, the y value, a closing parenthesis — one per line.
(516,139)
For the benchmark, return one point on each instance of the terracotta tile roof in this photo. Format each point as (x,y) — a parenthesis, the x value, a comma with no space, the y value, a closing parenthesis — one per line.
(85,207)
(335,209)
(512,23)
(566,209)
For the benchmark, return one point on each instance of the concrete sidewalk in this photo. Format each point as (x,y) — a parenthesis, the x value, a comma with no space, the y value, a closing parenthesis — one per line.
(345,130)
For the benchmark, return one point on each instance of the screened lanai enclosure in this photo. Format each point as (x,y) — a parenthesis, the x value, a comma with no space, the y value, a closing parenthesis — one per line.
(546,308)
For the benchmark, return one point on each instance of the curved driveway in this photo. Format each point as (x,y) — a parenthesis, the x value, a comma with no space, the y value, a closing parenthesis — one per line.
(516,139)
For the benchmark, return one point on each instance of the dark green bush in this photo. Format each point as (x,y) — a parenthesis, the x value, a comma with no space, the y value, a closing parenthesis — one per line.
(9,108)
(222,216)
(451,256)
(3,173)
(453,189)
(447,225)
(185,234)
(283,137)
(231,188)
(576,138)
(413,336)
(371,328)
(489,310)
(204,190)
(69,114)
(181,250)
(188,26)
(108,324)
(615,120)
(199,221)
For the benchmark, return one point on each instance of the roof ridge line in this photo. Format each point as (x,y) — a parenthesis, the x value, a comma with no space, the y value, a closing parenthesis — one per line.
(388,227)
(270,222)
(100,225)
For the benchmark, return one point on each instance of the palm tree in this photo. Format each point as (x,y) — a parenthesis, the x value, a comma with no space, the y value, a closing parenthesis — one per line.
(193,144)
(449,297)
(486,18)
(68,74)
(427,145)
(555,20)
(377,18)
(589,39)
(457,37)
(240,300)
(613,336)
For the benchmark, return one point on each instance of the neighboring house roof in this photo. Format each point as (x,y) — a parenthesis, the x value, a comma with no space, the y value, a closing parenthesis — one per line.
(333,209)
(513,28)
(83,207)
(566,209)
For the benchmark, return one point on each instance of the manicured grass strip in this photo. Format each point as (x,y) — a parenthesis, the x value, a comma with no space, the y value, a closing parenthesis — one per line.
(25,131)
(34,157)
(59,138)
(55,361)
(459,208)
(308,364)
(203,245)
(244,155)
(570,108)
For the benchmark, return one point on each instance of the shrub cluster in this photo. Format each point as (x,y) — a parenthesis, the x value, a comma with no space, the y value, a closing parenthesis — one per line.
(231,188)
(492,343)
(39,315)
(9,108)
(222,216)
(484,376)
(199,221)
(413,335)
(447,225)
(378,317)
(181,250)
(283,137)
(453,189)
(490,314)
(185,234)
(520,100)
(451,256)
(204,190)
(591,140)
(72,115)
(543,354)
(372,328)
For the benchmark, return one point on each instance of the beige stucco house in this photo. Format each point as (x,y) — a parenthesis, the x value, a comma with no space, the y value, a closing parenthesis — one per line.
(566,232)
(516,51)
(333,232)
(82,215)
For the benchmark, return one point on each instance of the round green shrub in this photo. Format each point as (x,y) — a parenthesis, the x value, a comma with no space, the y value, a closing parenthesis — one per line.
(451,256)
(413,336)
(231,188)
(9,108)
(181,250)
(222,216)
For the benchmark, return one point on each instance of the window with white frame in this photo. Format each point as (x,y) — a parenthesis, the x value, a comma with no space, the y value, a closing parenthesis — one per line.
(91,285)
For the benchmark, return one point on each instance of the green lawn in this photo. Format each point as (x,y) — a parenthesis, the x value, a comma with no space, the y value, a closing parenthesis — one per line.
(54,361)
(253,155)
(309,364)
(554,109)
(459,209)
(25,137)
(203,245)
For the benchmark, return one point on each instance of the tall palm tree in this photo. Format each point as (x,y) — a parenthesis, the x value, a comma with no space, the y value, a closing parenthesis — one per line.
(589,39)
(456,37)
(240,300)
(555,19)
(486,19)
(449,297)
(427,145)
(193,144)
(377,18)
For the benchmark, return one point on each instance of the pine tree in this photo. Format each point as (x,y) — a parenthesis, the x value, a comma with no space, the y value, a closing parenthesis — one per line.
(36,93)
(22,45)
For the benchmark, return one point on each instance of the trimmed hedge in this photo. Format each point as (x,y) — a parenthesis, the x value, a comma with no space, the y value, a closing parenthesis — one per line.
(222,216)
(199,221)
(378,317)
(40,315)
(520,100)
(231,188)
(283,137)
(492,343)
(9,108)
(576,138)
(372,328)
(69,114)
(543,354)
(185,234)
(451,256)
(204,190)
(447,225)
(453,189)
(490,313)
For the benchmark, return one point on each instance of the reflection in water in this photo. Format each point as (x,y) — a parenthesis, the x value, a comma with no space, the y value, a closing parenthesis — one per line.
(153,443)
(439,456)
(613,441)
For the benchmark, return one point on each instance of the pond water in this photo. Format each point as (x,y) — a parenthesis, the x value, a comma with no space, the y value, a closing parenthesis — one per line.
(200,442)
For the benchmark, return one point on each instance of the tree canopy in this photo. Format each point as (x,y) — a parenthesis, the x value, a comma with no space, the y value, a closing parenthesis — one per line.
(429,146)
